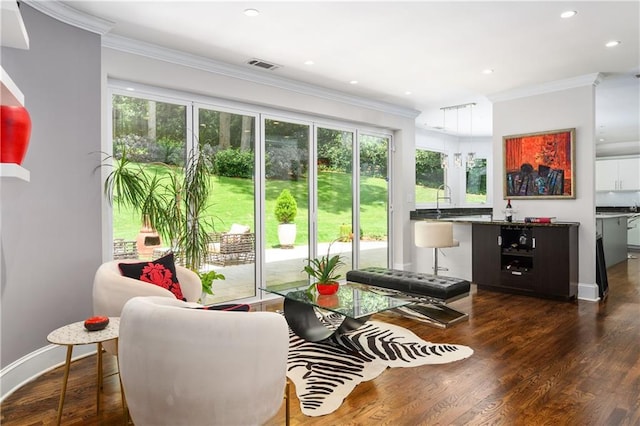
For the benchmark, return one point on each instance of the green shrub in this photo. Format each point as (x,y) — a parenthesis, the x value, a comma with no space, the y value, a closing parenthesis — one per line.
(286,207)
(234,163)
(428,170)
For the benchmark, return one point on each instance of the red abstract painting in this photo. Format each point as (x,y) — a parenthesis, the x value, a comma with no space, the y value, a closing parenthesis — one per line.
(539,165)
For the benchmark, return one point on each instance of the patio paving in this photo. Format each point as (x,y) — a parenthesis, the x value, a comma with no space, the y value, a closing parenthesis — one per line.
(284,266)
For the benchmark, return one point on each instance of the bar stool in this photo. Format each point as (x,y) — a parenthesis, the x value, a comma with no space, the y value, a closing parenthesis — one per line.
(435,235)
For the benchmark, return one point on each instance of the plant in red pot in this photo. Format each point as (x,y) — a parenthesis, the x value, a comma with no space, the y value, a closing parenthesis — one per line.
(324,270)
(15,132)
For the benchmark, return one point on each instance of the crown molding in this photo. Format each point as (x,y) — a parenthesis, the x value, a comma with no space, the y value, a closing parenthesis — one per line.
(177,57)
(60,11)
(553,86)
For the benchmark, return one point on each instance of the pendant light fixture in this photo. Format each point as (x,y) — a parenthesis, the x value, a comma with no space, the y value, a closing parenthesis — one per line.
(444,158)
(457,157)
(471,156)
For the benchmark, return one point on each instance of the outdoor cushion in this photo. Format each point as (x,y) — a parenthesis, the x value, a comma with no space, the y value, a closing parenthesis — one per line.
(239,229)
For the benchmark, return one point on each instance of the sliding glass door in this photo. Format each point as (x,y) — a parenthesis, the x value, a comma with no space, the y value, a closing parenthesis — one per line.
(373,198)
(334,194)
(145,132)
(336,175)
(227,139)
(286,202)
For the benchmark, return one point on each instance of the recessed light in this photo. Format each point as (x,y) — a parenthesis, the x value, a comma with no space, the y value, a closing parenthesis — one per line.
(407,92)
(613,43)
(601,140)
(353,82)
(568,14)
(309,62)
(251,12)
(487,71)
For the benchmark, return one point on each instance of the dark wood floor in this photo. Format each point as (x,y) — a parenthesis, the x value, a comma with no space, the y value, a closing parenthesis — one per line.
(536,362)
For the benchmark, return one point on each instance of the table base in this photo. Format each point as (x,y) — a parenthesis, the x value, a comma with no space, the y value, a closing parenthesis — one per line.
(304,322)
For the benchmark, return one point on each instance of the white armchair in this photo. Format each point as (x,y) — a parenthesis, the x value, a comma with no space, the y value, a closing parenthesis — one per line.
(111,290)
(182,366)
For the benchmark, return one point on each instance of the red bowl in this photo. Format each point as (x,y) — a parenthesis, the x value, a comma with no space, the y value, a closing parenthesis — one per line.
(327,289)
(96,323)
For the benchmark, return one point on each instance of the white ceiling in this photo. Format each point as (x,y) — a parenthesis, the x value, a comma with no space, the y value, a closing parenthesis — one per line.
(437,50)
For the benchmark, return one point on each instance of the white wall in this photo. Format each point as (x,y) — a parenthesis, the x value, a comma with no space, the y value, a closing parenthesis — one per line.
(50,241)
(449,144)
(570,108)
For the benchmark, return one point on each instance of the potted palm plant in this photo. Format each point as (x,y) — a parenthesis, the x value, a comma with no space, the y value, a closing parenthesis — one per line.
(325,271)
(285,211)
(129,185)
(172,203)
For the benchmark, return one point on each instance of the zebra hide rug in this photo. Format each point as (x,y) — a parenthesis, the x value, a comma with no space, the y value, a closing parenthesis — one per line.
(325,373)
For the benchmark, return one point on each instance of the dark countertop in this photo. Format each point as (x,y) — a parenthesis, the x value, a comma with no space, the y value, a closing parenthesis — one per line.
(615,212)
(481,221)
(612,209)
(420,214)
(481,216)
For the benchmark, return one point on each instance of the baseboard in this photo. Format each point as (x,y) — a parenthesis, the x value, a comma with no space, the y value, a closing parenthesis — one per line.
(588,292)
(35,364)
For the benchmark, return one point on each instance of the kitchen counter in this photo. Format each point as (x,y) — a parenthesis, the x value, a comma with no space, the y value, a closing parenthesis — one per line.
(486,220)
(450,213)
(613,228)
(607,215)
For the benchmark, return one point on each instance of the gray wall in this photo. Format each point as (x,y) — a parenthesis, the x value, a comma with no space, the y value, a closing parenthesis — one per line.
(51,226)
(571,108)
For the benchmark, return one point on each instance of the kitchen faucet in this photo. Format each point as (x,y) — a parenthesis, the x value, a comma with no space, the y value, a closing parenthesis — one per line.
(444,188)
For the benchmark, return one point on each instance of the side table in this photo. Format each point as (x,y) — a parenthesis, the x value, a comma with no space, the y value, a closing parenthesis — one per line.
(75,334)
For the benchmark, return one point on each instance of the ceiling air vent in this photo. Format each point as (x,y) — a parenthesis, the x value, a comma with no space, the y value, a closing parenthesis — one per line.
(262,64)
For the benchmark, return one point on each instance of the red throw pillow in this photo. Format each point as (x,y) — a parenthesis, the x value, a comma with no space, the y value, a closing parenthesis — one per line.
(161,272)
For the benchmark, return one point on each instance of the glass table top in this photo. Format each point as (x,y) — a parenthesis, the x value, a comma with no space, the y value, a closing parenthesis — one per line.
(352,300)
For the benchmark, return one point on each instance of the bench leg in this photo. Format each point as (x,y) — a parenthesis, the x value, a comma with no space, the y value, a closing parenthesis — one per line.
(436,314)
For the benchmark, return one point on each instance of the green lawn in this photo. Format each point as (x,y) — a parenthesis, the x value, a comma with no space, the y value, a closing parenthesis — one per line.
(232,201)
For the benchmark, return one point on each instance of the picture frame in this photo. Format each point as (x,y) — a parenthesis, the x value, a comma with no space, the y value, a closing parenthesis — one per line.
(540,165)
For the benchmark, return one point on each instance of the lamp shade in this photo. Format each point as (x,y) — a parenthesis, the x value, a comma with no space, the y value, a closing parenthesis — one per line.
(434,234)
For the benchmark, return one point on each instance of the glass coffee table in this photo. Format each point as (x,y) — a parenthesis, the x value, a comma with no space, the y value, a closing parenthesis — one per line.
(354,302)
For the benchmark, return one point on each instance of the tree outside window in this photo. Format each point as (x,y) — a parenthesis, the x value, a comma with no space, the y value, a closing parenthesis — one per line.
(429,175)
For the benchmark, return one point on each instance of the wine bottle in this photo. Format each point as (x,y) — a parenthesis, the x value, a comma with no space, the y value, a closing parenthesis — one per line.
(508,211)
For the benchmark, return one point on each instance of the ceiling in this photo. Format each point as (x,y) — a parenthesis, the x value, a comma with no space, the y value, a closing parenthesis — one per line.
(436,50)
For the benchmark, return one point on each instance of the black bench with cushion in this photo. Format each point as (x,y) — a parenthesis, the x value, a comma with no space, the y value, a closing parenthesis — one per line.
(436,290)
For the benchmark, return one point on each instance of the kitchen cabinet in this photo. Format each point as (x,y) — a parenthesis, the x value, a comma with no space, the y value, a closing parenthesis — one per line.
(531,259)
(13,34)
(619,174)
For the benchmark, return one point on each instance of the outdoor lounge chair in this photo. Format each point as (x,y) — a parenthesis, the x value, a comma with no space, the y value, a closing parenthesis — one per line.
(237,246)
(124,249)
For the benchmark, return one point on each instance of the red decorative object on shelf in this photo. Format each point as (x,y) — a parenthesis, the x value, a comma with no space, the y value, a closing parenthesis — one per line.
(96,323)
(15,131)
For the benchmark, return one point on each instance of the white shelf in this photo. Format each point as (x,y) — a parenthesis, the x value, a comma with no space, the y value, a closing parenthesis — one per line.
(14,33)
(10,93)
(10,170)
